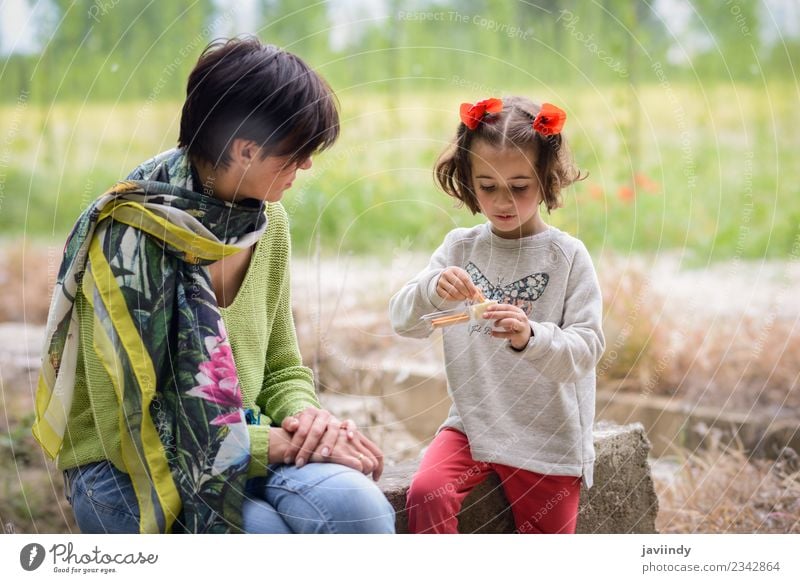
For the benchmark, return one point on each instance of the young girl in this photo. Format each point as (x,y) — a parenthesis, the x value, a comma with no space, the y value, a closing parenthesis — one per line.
(522,379)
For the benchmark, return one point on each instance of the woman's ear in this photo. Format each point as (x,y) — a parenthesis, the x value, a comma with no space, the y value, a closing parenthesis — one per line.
(244,152)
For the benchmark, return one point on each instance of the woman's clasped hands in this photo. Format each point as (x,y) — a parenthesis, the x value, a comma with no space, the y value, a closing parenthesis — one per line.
(317,435)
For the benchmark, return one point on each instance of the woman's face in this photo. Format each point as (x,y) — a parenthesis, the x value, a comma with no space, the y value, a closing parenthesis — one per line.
(269,178)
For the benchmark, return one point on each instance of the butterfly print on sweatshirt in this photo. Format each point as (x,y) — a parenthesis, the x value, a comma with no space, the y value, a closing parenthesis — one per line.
(521,293)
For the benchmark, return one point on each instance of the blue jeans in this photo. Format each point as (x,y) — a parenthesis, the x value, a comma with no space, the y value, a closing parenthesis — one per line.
(317,498)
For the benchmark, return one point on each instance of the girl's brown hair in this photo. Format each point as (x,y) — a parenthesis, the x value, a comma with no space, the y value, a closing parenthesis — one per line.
(512,127)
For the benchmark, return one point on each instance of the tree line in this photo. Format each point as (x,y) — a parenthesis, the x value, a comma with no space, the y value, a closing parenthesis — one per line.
(112,50)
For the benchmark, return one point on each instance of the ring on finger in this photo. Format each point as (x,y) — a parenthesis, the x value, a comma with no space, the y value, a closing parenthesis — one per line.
(366,468)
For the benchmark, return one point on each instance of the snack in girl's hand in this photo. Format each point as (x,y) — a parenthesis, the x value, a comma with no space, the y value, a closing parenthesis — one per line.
(472,312)
(477,310)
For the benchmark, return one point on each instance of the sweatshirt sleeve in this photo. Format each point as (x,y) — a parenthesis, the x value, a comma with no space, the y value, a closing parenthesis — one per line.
(419,297)
(569,352)
(288,386)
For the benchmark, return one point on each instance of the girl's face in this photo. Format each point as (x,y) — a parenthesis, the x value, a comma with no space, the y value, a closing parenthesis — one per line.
(507,189)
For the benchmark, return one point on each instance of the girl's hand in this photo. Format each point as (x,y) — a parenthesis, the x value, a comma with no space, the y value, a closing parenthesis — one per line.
(513,320)
(356,452)
(455,284)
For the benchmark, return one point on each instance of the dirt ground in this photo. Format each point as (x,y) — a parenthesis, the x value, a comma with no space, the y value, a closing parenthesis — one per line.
(730,331)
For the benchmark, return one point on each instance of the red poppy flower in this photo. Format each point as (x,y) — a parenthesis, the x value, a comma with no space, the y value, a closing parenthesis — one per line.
(626,193)
(471,115)
(647,183)
(549,120)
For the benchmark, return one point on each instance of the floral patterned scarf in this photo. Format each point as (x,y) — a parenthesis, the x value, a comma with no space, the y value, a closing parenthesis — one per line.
(138,255)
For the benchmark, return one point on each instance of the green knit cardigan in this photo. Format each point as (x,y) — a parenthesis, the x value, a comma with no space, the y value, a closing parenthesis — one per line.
(261,331)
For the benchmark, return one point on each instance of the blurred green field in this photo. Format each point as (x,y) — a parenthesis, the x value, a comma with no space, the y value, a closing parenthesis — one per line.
(712,173)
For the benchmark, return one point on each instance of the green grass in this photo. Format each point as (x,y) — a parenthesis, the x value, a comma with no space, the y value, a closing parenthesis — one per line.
(31,490)
(373,193)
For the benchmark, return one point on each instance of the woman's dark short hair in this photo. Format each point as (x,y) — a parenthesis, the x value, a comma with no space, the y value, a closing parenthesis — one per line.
(241,88)
(510,128)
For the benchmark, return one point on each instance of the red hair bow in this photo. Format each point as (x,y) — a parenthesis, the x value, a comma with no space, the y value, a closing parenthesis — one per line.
(549,120)
(472,115)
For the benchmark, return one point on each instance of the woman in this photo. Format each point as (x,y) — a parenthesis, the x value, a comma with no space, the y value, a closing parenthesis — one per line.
(172,389)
